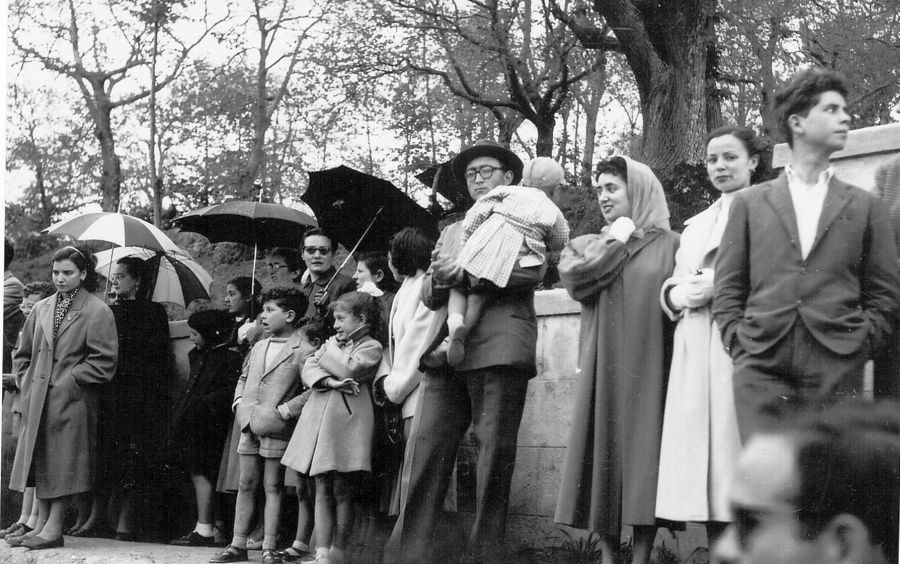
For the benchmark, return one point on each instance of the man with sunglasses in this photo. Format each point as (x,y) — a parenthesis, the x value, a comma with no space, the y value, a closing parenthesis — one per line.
(821,490)
(318,254)
(487,389)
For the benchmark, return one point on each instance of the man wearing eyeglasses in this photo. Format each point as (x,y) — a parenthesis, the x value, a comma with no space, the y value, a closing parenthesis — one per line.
(823,490)
(487,389)
(318,254)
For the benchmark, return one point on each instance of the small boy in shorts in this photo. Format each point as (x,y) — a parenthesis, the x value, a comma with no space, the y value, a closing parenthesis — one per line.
(271,376)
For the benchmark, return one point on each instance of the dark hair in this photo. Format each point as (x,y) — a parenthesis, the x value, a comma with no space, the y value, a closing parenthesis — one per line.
(43,289)
(318,231)
(360,304)
(9,253)
(242,285)
(411,250)
(801,93)
(613,165)
(288,299)
(314,330)
(137,268)
(754,145)
(84,260)
(213,325)
(291,257)
(848,460)
(378,262)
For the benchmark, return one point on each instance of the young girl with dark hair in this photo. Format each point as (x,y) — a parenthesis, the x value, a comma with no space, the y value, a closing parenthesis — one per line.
(68,345)
(203,416)
(333,438)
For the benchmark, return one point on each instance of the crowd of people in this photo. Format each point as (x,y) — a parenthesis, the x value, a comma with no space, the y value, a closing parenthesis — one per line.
(355,392)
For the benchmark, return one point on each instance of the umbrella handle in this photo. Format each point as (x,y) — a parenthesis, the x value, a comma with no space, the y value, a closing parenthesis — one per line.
(350,254)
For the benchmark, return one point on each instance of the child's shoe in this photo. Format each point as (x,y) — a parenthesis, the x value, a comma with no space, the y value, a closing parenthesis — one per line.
(271,556)
(230,554)
(456,352)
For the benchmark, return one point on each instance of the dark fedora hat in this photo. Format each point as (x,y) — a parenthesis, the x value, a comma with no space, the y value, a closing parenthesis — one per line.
(487,148)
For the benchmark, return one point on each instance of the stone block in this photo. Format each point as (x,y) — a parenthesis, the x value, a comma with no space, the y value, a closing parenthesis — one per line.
(524,491)
(550,468)
(548,413)
(557,347)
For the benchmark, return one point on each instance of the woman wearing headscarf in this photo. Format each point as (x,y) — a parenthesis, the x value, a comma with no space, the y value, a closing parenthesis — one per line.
(610,473)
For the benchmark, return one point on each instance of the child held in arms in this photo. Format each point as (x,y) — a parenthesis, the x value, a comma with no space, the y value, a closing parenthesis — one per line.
(509,226)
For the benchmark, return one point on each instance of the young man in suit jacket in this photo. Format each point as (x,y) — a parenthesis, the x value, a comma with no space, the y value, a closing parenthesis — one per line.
(807,280)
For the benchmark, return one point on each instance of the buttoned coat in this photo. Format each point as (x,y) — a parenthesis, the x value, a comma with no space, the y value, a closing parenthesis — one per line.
(334,432)
(261,390)
(845,291)
(57,377)
(700,439)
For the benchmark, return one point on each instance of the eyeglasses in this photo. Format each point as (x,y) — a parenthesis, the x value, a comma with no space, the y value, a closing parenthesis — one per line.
(485,171)
(313,250)
(275,266)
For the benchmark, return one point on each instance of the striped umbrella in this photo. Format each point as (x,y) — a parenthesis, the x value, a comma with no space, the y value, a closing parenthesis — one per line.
(122,230)
(174,276)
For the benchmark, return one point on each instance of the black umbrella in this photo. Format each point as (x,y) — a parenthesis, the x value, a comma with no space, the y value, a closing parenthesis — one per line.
(346,201)
(447,186)
(252,223)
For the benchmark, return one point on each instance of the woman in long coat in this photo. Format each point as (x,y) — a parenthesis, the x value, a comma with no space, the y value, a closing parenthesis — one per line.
(610,472)
(700,440)
(68,345)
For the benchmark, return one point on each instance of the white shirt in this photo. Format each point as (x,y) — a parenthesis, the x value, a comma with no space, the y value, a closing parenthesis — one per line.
(808,201)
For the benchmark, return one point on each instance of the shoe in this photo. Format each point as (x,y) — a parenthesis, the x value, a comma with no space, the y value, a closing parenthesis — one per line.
(456,352)
(16,540)
(125,537)
(230,554)
(38,543)
(291,554)
(13,529)
(194,539)
(271,556)
(254,544)
(95,533)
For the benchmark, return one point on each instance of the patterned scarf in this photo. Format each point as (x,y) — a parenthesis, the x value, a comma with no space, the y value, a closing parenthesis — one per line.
(63,302)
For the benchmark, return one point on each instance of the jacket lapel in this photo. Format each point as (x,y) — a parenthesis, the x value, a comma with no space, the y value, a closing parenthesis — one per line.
(74,313)
(836,199)
(779,197)
(286,352)
(46,320)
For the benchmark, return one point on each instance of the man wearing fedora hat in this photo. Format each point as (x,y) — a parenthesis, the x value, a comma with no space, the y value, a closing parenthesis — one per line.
(487,389)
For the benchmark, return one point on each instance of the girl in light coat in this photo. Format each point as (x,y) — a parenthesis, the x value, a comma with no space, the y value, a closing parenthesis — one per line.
(333,438)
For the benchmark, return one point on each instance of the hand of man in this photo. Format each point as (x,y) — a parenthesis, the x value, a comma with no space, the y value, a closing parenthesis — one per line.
(443,270)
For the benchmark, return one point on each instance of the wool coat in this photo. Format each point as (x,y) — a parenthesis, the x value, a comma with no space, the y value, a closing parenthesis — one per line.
(261,390)
(700,440)
(611,465)
(57,376)
(334,432)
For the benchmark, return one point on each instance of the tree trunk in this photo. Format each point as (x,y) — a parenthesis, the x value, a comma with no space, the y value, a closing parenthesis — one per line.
(111,175)
(544,125)
(155,183)
(248,176)
(41,188)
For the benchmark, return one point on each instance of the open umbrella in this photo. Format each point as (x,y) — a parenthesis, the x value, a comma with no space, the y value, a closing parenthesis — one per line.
(119,229)
(346,201)
(257,224)
(174,276)
(447,186)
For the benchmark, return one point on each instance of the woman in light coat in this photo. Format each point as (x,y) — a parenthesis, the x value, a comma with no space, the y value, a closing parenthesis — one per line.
(68,345)
(411,330)
(700,441)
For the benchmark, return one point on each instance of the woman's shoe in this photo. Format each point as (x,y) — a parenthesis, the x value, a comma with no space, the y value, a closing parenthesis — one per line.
(95,533)
(38,543)
(125,537)
(17,540)
(12,529)
(194,539)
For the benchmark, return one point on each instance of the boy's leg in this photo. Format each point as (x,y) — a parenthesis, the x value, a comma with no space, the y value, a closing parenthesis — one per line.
(456,308)
(273,482)
(343,505)
(243,508)
(203,492)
